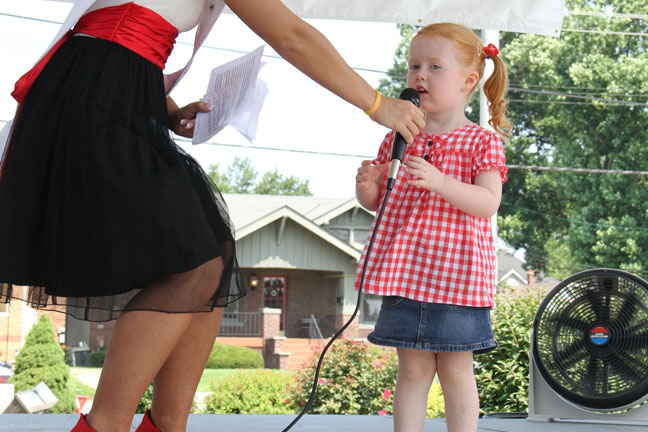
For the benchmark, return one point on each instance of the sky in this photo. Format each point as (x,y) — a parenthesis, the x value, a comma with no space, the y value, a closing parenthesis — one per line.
(298,114)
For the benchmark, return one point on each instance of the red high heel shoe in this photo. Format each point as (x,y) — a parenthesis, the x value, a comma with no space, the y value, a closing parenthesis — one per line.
(82,426)
(147,424)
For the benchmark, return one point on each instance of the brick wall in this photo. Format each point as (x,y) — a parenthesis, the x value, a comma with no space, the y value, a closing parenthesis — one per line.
(309,293)
(13,331)
(100,334)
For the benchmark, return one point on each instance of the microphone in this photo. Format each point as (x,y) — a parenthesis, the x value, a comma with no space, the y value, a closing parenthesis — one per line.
(398,147)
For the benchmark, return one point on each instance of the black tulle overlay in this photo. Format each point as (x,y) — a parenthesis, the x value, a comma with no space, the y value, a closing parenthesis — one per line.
(98,203)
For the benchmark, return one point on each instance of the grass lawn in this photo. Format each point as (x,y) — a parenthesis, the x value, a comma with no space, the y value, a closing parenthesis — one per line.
(78,388)
(211,375)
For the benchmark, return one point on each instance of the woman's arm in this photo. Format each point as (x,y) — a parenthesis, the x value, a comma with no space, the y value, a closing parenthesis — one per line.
(182,120)
(308,50)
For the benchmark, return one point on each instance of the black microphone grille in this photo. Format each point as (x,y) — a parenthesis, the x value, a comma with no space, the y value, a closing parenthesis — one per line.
(411,95)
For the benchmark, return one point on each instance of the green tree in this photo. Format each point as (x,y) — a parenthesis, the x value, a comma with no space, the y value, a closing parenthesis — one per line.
(273,183)
(579,101)
(241,177)
(42,359)
(576,101)
(396,80)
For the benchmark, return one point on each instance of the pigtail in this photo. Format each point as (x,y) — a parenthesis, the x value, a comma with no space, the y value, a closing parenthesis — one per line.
(495,89)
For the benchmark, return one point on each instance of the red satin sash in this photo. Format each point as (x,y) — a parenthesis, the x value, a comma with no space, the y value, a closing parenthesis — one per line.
(135,27)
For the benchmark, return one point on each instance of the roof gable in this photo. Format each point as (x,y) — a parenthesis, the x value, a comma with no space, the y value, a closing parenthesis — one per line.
(250,213)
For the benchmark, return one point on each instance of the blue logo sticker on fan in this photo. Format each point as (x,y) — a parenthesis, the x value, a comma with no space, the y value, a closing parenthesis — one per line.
(599,335)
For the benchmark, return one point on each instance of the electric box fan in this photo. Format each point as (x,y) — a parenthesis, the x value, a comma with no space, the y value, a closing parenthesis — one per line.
(589,350)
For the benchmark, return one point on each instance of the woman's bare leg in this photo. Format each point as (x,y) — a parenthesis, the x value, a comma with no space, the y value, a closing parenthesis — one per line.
(141,344)
(416,370)
(176,383)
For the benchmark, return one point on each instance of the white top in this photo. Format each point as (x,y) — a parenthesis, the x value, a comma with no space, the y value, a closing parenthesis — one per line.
(181,14)
(211,9)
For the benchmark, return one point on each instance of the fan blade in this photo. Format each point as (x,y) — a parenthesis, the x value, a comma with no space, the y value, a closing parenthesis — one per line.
(573,323)
(622,367)
(594,298)
(632,342)
(641,325)
(571,355)
(592,373)
(604,378)
(627,309)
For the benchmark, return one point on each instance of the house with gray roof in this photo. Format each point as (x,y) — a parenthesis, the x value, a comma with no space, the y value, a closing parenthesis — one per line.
(299,254)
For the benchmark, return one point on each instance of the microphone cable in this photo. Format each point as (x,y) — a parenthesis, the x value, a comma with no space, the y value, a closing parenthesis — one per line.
(398,150)
(348,323)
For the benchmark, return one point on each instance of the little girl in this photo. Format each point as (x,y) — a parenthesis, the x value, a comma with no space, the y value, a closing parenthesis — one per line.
(434,259)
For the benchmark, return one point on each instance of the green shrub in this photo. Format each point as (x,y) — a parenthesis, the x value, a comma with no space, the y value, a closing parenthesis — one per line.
(97,358)
(355,378)
(42,359)
(503,374)
(251,392)
(147,400)
(233,357)
(435,402)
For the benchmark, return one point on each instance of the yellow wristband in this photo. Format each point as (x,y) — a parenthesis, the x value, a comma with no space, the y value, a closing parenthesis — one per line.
(375,105)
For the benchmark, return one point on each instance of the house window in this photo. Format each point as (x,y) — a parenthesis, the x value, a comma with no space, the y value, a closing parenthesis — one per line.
(360,235)
(4,308)
(370,308)
(341,233)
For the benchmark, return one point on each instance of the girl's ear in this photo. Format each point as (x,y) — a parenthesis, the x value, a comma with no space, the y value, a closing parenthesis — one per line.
(471,81)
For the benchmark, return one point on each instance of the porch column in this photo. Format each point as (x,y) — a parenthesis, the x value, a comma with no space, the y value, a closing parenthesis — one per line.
(273,355)
(346,306)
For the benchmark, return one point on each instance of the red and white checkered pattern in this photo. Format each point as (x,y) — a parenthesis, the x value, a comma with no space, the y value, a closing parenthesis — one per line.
(426,249)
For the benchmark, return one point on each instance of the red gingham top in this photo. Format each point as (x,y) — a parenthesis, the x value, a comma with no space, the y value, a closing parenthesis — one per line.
(425,248)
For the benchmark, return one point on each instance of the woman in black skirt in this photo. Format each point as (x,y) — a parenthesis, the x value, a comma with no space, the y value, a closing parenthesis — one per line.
(104,216)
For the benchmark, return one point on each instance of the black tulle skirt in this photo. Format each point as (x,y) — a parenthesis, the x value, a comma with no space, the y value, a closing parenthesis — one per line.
(97,203)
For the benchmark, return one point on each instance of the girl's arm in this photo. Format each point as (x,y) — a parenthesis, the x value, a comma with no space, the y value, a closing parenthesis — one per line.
(368,182)
(481,199)
(308,50)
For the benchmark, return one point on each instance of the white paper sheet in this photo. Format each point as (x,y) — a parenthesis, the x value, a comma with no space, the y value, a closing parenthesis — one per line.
(236,95)
(4,138)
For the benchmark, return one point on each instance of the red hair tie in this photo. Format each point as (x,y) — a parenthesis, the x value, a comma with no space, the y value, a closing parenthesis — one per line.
(490,50)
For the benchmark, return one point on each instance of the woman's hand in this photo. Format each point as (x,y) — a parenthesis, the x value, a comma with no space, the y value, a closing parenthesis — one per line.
(401,115)
(182,120)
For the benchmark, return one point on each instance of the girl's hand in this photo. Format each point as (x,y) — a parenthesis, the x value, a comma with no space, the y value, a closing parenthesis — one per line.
(401,115)
(424,174)
(183,119)
(369,175)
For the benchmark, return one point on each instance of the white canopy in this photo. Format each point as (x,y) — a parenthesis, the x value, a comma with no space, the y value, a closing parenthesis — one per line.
(525,16)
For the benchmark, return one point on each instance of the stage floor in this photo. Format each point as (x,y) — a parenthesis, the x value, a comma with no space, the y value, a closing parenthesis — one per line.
(310,423)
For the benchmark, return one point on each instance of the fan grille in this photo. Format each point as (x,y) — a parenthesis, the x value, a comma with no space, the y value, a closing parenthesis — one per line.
(591,339)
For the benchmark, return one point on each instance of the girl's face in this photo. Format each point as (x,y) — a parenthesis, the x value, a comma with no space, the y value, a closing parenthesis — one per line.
(442,82)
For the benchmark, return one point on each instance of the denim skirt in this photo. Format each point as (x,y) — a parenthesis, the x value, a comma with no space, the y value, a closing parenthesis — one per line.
(405,323)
